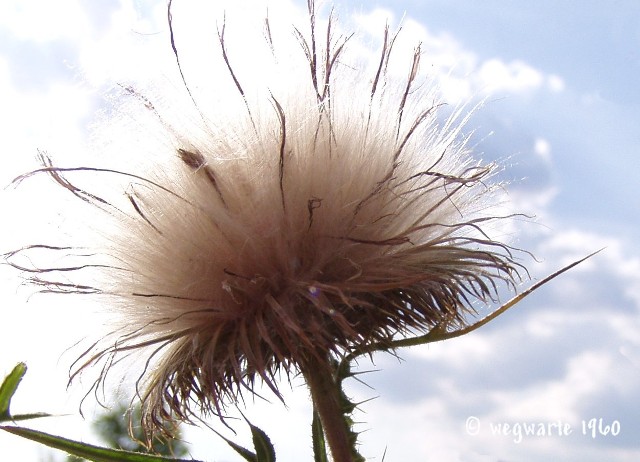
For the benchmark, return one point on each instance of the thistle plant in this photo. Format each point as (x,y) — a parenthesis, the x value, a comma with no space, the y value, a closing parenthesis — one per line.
(289,231)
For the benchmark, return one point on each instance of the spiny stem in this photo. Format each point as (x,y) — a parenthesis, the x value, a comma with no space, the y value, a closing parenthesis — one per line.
(326,394)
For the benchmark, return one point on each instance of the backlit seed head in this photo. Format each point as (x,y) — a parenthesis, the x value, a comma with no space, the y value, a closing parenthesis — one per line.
(314,217)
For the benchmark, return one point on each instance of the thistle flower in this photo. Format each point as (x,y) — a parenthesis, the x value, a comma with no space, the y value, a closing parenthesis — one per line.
(311,220)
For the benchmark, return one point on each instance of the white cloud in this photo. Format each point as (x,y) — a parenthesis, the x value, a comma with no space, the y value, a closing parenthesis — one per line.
(558,399)
(514,77)
(572,244)
(555,83)
(50,121)
(619,258)
(43,20)
(460,73)
(130,49)
(542,149)
(467,348)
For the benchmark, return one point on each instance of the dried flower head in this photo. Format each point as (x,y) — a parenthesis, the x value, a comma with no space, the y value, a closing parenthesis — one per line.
(314,218)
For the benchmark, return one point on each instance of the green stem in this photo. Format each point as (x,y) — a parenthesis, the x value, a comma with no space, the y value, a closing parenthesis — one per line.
(326,393)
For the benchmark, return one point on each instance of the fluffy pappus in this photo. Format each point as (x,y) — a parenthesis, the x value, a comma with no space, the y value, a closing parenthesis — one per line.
(317,217)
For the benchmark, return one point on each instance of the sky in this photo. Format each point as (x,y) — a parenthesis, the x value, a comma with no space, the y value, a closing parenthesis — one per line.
(561,114)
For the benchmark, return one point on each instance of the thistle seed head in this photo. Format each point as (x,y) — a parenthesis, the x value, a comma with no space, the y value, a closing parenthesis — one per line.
(314,218)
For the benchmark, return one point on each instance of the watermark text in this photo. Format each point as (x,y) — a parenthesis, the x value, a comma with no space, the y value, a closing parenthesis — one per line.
(518,431)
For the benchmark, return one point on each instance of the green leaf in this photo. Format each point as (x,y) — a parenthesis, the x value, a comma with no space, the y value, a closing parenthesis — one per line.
(261,442)
(8,389)
(244,452)
(319,445)
(33,415)
(87,451)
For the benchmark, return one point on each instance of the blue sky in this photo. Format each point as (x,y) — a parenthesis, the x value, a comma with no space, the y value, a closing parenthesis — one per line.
(562,118)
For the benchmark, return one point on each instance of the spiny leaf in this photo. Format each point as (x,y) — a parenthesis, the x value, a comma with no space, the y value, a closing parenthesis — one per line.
(87,451)
(515,300)
(440,331)
(244,452)
(8,389)
(261,442)
(319,445)
(32,415)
